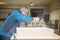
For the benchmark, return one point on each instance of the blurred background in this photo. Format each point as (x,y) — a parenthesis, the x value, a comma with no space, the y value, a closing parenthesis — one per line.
(47,10)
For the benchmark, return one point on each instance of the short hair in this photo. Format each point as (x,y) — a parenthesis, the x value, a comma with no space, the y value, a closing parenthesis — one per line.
(24,8)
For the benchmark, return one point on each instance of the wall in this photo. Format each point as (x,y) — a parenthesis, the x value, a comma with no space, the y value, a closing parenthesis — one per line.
(4,12)
(54,10)
(54,15)
(3,15)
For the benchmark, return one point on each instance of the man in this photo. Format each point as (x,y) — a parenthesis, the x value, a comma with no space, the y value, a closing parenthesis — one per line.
(12,21)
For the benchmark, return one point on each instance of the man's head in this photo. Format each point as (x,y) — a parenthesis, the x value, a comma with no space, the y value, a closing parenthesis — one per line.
(24,10)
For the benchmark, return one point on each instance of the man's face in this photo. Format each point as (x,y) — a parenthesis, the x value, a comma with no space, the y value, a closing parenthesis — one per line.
(24,12)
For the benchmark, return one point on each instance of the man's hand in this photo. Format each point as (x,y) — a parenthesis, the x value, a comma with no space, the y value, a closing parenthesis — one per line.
(36,20)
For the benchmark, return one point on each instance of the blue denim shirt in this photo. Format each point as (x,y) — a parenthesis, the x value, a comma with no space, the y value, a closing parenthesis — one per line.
(12,21)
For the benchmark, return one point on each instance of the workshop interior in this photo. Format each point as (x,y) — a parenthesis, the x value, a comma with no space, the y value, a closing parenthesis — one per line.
(47,10)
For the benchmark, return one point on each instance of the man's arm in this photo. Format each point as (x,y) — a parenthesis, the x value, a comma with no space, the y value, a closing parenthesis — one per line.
(20,17)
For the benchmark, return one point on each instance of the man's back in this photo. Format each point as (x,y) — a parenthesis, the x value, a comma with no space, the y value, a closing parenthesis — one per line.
(9,26)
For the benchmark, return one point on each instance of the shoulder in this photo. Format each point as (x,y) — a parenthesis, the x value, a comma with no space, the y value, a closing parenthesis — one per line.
(16,12)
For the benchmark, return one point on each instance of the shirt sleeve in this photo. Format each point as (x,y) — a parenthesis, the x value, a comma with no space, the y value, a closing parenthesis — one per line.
(22,18)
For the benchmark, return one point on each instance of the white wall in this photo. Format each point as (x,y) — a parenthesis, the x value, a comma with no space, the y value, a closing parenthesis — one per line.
(54,10)
(54,15)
